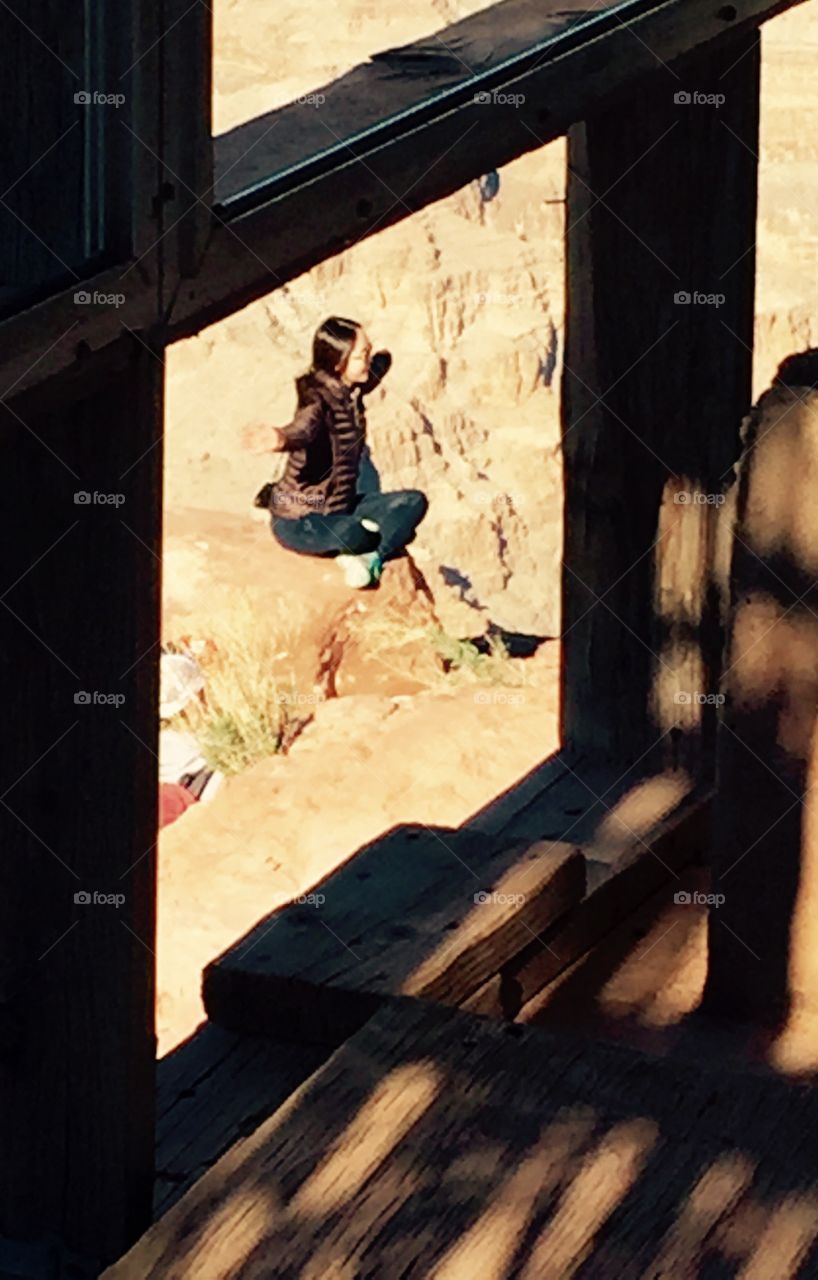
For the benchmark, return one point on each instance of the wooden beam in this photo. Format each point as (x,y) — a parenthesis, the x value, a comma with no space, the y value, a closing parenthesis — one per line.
(400,918)
(401,89)
(763,959)
(79,628)
(427,139)
(657,376)
(432,135)
(118,290)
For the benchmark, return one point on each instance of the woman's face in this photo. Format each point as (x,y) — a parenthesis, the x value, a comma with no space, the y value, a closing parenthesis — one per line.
(357,365)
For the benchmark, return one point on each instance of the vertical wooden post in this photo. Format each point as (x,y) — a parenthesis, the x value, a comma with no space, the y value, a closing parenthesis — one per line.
(655,383)
(65,197)
(763,957)
(187,152)
(79,629)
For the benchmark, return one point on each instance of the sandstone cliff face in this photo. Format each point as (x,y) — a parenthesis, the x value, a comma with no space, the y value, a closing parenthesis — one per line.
(469,299)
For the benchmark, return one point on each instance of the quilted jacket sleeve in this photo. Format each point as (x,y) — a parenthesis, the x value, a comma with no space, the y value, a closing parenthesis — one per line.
(305,425)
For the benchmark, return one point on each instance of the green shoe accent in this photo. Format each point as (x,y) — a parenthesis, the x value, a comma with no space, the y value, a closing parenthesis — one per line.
(376,567)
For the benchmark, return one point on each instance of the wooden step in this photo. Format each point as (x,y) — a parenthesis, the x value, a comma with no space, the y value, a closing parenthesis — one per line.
(422,912)
(618,880)
(401,917)
(438,1145)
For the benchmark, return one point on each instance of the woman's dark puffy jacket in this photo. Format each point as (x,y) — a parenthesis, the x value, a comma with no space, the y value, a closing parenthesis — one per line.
(324,443)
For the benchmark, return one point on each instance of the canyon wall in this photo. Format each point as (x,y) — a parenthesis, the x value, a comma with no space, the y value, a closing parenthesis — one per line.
(468,297)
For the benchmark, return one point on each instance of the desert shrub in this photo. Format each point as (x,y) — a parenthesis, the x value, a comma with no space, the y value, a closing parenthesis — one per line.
(247,708)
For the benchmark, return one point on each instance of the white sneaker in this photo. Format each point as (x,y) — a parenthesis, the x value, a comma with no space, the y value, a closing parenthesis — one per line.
(360,571)
(355,570)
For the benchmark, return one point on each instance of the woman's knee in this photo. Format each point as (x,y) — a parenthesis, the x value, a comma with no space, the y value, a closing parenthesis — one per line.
(298,535)
(418,504)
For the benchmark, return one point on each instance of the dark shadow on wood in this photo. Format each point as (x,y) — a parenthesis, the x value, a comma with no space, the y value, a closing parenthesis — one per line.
(654,390)
(213,1090)
(763,849)
(417,1144)
(410,913)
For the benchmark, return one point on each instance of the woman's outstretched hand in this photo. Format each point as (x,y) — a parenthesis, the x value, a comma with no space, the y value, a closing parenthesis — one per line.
(259,438)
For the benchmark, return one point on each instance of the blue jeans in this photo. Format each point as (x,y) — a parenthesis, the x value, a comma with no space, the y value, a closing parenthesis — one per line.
(397,514)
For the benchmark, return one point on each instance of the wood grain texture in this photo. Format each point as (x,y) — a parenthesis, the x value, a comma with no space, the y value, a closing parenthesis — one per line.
(654,391)
(317,205)
(420,912)
(80,615)
(438,1144)
(212,1092)
(616,886)
(762,938)
(352,198)
(65,177)
(317,973)
(400,918)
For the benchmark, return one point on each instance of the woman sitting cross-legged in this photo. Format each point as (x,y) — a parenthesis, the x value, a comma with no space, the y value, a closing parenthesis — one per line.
(316,508)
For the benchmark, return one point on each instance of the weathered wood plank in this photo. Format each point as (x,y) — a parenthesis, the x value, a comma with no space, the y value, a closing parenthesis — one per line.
(616,885)
(401,918)
(762,952)
(435,1143)
(500,815)
(47,230)
(422,154)
(309,221)
(213,1091)
(654,391)
(402,87)
(80,592)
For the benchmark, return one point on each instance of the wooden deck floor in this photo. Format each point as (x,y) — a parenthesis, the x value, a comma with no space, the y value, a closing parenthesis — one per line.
(229,1100)
(213,1091)
(436,1143)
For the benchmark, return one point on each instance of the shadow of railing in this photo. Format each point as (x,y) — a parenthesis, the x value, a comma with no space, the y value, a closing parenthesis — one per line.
(417,1151)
